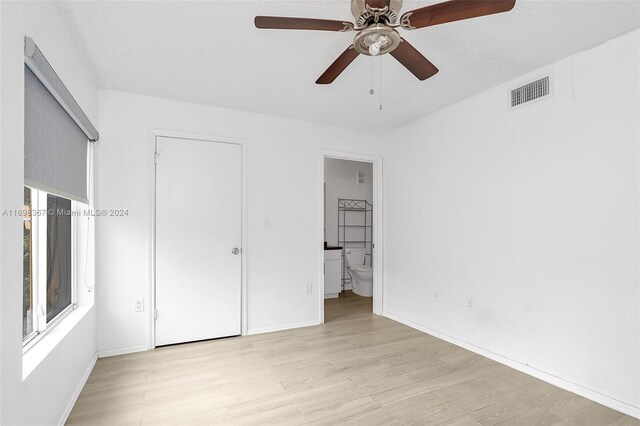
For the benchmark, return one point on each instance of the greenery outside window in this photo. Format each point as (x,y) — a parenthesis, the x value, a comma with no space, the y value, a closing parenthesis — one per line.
(49,291)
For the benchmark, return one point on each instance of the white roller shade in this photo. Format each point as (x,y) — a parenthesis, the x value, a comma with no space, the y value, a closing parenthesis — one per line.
(55,148)
(39,65)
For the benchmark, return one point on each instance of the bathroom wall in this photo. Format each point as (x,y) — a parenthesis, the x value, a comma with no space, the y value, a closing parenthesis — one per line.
(340,177)
(531,214)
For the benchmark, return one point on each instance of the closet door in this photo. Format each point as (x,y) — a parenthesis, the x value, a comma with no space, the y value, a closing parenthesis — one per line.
(198,235)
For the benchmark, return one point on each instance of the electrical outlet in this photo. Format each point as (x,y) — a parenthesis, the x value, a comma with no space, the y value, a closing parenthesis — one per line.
(267,224)
(436,296)
(138,305)
(308,288)
(470,304)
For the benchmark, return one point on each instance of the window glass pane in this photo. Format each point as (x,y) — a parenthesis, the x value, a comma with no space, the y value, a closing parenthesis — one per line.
(58,255)
(27,289)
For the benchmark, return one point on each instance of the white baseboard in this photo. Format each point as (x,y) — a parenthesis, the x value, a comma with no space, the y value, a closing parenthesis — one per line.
(591,394)
(122,351)
(79,388)
(282,327)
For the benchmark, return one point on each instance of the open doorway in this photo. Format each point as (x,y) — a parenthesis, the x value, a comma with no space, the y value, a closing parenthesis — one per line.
(350,230)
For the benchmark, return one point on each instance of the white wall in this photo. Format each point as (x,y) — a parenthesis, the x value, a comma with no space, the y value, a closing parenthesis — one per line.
(341,179)
(284,179)
(48,391)
(532,213)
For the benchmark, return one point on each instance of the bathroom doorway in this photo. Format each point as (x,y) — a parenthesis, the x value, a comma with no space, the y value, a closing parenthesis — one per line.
(351,237)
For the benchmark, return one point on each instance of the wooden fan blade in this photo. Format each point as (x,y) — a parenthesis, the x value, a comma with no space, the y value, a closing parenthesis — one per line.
(413,60)
(338,66)
(453,10)
(284,23)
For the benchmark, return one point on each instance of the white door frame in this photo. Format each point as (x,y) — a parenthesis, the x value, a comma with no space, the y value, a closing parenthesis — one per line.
(151,147)
(378,221)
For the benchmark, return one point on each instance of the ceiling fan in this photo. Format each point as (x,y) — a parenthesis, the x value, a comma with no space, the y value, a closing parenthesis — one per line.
(376,22)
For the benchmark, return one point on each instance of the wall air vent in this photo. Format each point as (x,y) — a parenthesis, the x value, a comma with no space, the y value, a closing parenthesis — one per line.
(536,90)
(360,178)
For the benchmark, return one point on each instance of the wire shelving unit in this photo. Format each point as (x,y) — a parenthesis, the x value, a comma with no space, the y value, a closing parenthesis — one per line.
(355,230)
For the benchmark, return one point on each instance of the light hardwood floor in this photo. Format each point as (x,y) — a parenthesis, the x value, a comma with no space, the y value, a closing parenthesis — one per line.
(357,368)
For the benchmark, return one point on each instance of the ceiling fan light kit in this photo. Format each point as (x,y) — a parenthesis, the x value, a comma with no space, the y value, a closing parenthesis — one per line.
(376,22)
(376,39)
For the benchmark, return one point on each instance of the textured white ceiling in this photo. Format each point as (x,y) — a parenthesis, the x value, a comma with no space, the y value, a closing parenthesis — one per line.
(209,52)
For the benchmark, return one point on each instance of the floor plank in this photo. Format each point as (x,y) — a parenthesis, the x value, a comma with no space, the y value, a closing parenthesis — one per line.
(357,369)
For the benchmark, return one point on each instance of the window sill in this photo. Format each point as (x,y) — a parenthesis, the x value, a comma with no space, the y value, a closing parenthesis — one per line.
(38,351)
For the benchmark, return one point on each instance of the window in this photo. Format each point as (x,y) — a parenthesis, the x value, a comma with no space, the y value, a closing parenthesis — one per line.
(56,160)
(27,288)
(59,283)
(48,260)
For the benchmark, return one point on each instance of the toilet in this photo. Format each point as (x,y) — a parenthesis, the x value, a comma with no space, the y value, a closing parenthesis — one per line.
(361,274)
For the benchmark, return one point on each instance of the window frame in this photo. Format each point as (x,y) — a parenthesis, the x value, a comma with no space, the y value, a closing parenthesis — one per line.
(39,266)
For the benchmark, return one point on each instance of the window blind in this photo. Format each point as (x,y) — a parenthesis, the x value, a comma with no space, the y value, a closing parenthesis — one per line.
(55,148)
(39,65)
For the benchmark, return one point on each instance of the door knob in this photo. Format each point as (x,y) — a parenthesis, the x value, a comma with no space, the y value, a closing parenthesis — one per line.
(235,250)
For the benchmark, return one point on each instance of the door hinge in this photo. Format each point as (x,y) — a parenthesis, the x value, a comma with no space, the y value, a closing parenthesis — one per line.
(155,314)
(156,155)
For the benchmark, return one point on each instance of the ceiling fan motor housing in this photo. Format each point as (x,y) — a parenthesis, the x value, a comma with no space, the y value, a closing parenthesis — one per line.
(367,12)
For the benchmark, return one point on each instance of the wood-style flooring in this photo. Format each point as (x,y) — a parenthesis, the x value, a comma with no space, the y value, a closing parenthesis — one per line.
(357,369)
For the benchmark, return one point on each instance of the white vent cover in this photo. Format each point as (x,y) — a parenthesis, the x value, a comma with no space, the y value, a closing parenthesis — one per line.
(536,90)
(360,177)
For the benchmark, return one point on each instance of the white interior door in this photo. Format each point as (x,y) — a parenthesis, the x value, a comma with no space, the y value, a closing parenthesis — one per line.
(198,235)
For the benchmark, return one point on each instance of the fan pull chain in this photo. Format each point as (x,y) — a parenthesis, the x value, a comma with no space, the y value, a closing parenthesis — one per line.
(371,91)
